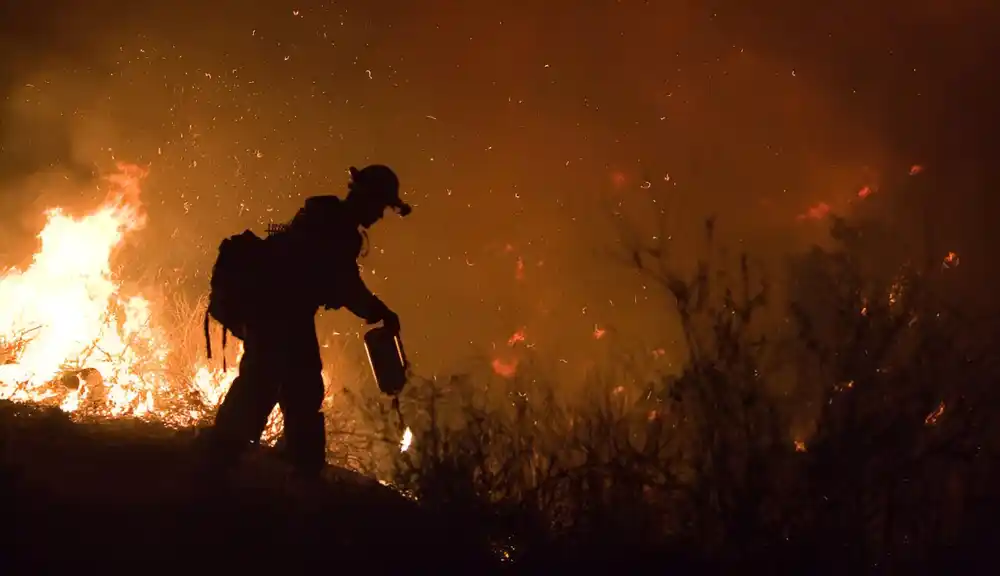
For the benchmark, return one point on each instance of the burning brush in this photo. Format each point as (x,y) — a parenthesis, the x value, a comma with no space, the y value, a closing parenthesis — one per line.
(70,336)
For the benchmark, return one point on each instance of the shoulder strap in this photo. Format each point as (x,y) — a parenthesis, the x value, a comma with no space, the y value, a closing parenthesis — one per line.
(208,336)
(208,340)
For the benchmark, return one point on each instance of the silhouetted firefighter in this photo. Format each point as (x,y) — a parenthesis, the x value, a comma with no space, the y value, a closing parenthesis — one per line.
(267,292)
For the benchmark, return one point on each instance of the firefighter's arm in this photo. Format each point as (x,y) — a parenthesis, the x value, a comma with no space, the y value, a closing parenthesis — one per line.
(363,304)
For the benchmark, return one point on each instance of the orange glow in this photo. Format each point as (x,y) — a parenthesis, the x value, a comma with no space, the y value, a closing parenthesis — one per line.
(618,179)
(934,416)
(71,336)
(516,337)
(815,212)
(951,260)
(505,368)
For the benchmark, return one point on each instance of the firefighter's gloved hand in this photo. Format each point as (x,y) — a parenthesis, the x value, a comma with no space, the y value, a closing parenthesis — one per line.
(391,321)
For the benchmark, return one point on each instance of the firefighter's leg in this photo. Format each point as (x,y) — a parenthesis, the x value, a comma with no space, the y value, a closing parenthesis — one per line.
(301,400)
(243,414)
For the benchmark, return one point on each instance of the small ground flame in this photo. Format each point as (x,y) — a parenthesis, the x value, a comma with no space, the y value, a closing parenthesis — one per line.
(404,444)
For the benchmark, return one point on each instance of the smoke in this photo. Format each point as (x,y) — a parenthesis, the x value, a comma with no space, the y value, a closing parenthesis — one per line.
(44,160)
(518,137)
(918,75)
(33,138)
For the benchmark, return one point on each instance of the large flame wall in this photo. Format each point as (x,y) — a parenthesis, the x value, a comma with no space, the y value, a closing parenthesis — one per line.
(71,336)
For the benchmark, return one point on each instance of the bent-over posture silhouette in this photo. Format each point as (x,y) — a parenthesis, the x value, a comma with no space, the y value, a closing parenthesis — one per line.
(309,263)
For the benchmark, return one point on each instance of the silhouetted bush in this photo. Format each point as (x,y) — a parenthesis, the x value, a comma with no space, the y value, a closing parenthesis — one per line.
(890,467)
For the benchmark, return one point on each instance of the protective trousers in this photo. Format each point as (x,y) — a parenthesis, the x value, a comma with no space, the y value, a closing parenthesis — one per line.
(281,365)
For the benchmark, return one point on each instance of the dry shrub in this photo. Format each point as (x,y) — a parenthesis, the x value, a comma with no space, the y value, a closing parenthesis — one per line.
(904,439)
(185,319)
(707,462)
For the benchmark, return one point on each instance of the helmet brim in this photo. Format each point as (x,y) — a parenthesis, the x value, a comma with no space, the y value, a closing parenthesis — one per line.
(401,208)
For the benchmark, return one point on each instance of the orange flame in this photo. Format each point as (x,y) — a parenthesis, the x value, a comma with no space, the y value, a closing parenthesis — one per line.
(70,337)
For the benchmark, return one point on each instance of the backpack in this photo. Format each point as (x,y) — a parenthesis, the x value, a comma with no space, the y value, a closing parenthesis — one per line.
(232,292)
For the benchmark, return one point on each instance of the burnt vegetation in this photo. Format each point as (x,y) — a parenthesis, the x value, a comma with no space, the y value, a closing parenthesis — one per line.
(847,429)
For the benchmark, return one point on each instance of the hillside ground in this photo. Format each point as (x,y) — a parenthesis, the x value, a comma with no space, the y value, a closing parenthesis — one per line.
(118,496)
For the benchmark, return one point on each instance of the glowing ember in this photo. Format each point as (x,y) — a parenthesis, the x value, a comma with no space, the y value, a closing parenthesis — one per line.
(951,260)
(516,337)
(70,337)
(933,417)
(800,446)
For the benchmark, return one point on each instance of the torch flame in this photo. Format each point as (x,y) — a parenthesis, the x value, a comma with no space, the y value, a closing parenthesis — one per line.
(404,444)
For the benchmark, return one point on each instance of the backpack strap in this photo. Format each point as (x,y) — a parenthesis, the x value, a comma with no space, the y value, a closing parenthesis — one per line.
(225,332)
(208,336)
(208,341)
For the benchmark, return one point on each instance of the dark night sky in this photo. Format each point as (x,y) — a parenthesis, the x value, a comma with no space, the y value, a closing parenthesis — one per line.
(514,127)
